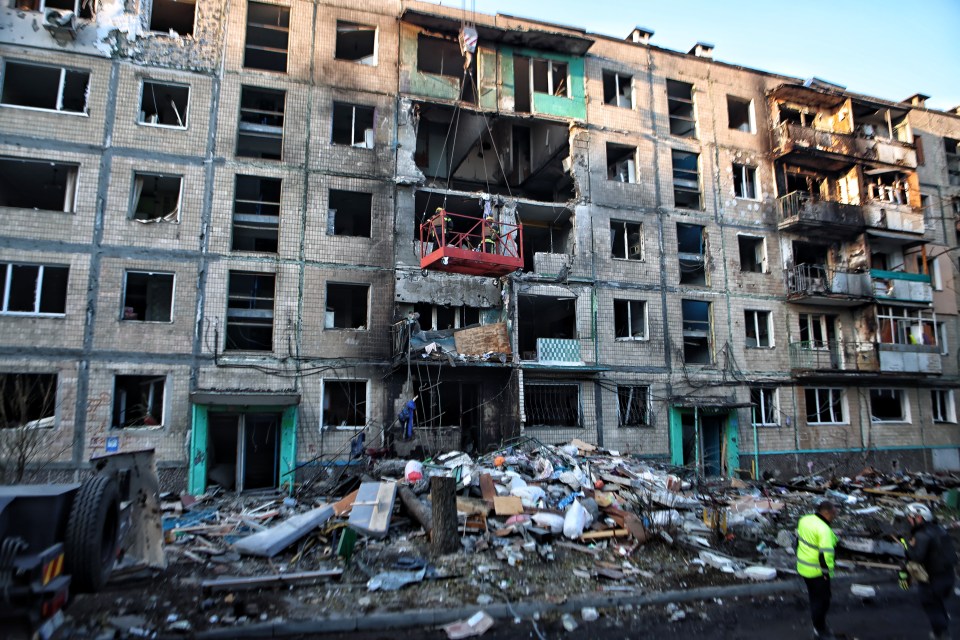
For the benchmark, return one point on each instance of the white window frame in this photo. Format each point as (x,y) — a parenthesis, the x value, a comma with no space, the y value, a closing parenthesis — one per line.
(751,114)
(186,112)
(38,292)
(774,406)
(163,405)
(746,169)
(173,296)
(755,320)
(944,407)
(63,79)
(940,331)
(617,76)
(323,403)
(906,323)
(904,406)
(626,241)
(646,320)
(936,277)
(135,198)
(831,391)
(550,84)
(362,143)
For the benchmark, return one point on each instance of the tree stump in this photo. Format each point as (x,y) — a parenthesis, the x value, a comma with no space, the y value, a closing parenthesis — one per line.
(444,538)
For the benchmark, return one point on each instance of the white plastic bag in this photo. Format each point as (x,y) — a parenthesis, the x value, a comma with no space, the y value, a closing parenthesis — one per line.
(549,521)
(413,471)
(576,520)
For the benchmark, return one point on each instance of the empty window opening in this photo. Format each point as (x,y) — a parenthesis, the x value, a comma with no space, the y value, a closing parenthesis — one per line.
(156,197)
(745,181)
(250,311)
(683,122)
(260,131)
(697,332)
(28,400)
(550,77)
(344,404)
(353,125)
(944,406)
(740,114)
(164,104)
(544,317)
(952,148)
(617,89)
(825,406)
(34,289)
(691,254)
(552,405)
(763,407)
(630,319)
(356,42)
(42,87)
(633,406)
(523,98)
(243,450)
(757,328)
(443,318)
(173,16)
(147,297)
(138,401)
(450,404)
(268,35)
(753,254)
(439,56)
(82,8)
(256,214)
(891,187)
(626,240)
(621,163)
(888,405)
(545,231)
(349,213)
(686,180)
(347,306)
(38,184)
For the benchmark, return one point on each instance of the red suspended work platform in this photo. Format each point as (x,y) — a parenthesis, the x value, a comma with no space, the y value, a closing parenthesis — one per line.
(473,246)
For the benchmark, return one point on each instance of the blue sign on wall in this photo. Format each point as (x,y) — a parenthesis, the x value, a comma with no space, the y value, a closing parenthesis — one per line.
(113,444)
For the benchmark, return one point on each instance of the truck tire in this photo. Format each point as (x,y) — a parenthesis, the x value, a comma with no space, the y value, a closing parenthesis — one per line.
(91,544)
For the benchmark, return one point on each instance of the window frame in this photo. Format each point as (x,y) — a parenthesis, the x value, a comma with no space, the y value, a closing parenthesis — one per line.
(751,115)
(277,28)
(643,389)
(60,88)
(840,401)
(550,79)
(118,426)
(579,404)
(149,23)
(904,406)
(186,112)
(940,400)
(72,169)
(353,125)
(376,42)
(742,183)
(757,324)
(627,231)
(774,406)
(250,311)
(323,403)
(681,179)
(326,304)
(173,296)
(673,101)
(645,320)
(758,241)
(38,291)
(617,86)
(135,198)
(260,221)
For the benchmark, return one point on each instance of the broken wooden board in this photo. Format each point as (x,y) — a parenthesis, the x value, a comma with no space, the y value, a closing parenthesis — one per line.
(898,494)
(608,533)
(373,508)
(583,446)
(345,504)
(471,506)
(635,526)
(480,340)
(507,505)
(272,541)
(261,582)
(487,488)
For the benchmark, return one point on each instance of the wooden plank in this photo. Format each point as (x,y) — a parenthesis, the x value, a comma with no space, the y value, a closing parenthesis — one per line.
(487,488)
(898,494)
(577,547)
(472,506)
(608,533)
(479,340)
(373,508)
(260,582)
(345,505)
(507,505)
(583,446)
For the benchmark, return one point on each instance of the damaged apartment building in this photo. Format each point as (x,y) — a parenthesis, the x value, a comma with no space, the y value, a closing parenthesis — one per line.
(242,234)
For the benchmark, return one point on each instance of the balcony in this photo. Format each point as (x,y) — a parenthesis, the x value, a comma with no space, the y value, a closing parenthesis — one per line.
(889,209)
(910,358)
(792,138)
(828,286)
(816,357)
(800,213)
(898,286)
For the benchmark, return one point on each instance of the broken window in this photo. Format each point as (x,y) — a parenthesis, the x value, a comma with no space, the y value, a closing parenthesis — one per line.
(745,181)
(268,35)
(621,163)
(353,125)
(27,400)
(550,77)
(349,213)
(356,42)
(38,184)
(82,8)
(173,16)
(697,332)
(164,104)
(692,254)
(147,297)
(545,231)
(740,114)
(626,240)
(549,318)
(763,407)
(347,306)
(34,289)
(952,148)
(941,329)
(156,197)
(617,89)
(260,131)
(683,122)
(633,406)
(440,317)
(753,254)
(40,86)
(906,325)
(630,319)
(825,406)
(552,405)
(344,404)
(439,56)
(888,405)
(138,401)
(686,180)
(250,299)
(944,406)
(758,330)
(256,213)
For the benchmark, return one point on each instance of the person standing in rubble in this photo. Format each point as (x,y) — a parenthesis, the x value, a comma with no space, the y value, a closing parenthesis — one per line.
(931,548)
(816,546)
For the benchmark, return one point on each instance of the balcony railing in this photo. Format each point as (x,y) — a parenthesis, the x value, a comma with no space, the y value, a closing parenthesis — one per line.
(834,356)
(819,281)
(797,209)
(901,286)
(910,358)
(558,351)
(792,137)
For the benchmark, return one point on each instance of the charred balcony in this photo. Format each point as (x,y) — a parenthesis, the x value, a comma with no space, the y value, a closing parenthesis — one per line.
(815,358)
(801,212)
(819,284)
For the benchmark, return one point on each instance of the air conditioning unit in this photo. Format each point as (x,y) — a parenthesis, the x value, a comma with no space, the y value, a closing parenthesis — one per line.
(60,23)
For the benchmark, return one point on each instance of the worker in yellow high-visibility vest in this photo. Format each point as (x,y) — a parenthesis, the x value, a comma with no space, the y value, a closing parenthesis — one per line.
(816,545)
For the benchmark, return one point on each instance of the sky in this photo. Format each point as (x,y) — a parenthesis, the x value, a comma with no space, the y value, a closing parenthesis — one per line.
(888,49)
